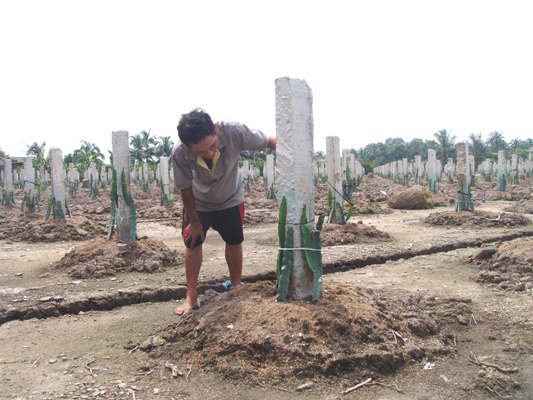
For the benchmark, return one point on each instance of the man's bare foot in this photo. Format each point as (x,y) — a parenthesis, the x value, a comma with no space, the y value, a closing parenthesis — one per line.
(186,306)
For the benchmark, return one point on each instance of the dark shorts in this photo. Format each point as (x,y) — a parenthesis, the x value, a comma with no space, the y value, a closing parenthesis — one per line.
(228,223)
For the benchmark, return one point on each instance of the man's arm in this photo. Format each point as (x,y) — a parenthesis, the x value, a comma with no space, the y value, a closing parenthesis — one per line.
(194,230)
(272,143)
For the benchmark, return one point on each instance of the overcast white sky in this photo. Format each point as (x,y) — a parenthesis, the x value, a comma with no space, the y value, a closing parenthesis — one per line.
(73,70)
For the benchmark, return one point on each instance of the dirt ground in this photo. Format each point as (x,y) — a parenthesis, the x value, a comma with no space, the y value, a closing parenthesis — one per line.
(416,304)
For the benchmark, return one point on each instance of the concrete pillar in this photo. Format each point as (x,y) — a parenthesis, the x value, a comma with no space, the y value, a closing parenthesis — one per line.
(125,216)
(294,151)
(349,162)
(145,178)
(146,175)
(472,166)
(394,170)
(103,175)
(246,176)
(59,206)
(270,176)
(359,170)
(93,180)
(30,186)
(432,170)
(501,171)
(418,170)
(464,201)
(334,178)
(8,183)
(165,181)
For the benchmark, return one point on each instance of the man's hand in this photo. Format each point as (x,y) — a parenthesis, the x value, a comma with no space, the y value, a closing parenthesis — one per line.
(193,232)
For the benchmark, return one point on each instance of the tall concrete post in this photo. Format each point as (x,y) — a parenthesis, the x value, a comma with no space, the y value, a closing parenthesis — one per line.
(418,170)
(166,198)
(30,186)
(334,179)
(294,169)
(245,169)
(122,202)
(58,199)
(514,169)
(405,176)
(145,178)
(269,177)
(432,170)
(394,171)
(8,197)
(501,171)
(93,180)
(464,200)
(472,168)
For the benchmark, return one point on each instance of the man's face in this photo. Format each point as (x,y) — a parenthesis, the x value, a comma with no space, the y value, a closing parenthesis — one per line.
(206,148)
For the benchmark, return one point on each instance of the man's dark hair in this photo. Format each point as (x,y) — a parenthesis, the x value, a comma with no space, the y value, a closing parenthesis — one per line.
(195,126)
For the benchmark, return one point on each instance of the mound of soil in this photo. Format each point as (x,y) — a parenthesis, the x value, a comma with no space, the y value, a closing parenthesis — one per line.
(509,264)
(477,219)
(101,257)
(521,206)
(32,228)
(245,334)
(414,198)
(350,233)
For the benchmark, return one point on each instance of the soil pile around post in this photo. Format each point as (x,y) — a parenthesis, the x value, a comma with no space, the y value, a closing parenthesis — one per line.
(101,257)
(32,228)
(350,233)
(508,265)
(246,334)
(476,219)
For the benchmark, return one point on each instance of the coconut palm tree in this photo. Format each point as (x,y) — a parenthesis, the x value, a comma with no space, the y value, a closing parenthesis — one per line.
(35,149)
(477,147)
(496,141)
(513,145)
(164,147)
(142,148)
(445,145)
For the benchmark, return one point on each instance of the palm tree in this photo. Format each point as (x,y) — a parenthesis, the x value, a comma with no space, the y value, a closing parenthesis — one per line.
(141,148)
(164,147)
(319,155)
(496,141)
(513,145)
(35,150)
(445,145)
(478,147)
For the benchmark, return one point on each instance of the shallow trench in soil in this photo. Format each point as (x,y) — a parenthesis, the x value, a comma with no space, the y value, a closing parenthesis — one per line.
(74,302)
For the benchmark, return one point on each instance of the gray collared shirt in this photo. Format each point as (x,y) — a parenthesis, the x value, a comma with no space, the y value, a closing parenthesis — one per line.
(221,187)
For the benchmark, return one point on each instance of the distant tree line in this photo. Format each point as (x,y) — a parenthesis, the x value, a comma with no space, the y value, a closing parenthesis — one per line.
(147,148)
(393,149)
